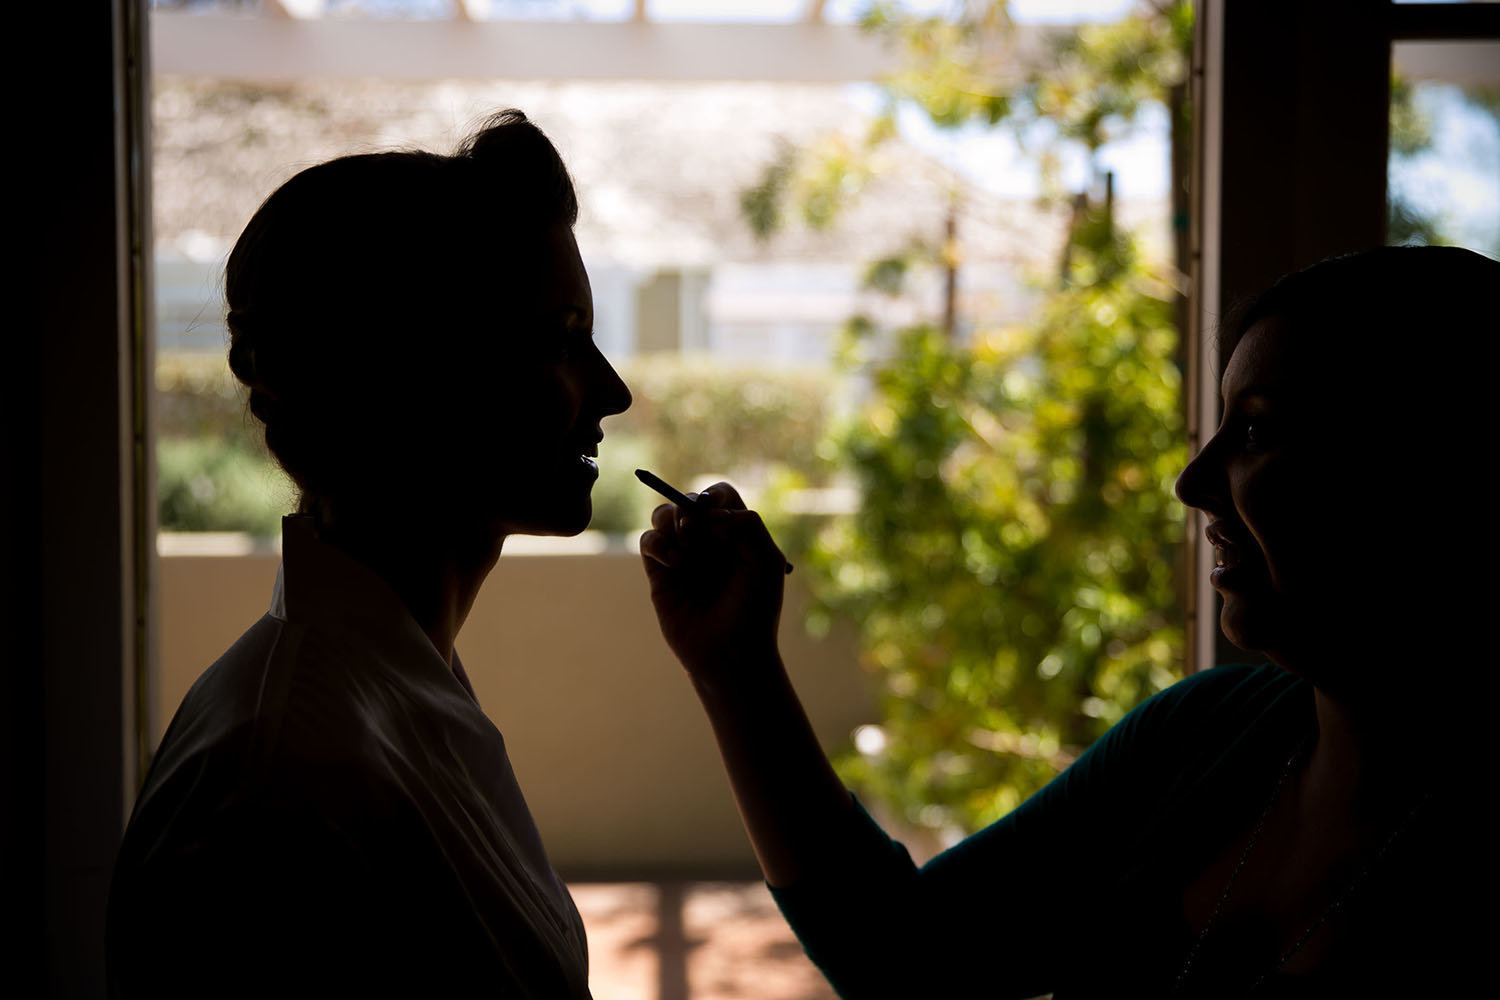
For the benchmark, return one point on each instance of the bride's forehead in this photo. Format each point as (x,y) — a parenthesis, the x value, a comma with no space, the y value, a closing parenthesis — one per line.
(561,281)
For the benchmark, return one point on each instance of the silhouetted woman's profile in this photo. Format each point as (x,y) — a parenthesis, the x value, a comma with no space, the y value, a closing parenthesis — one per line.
(1310,826)
(330,811)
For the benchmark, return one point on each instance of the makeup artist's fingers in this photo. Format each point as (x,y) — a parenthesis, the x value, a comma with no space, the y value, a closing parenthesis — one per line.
(722,496)
(671,537)
(663,516)
(753,540)
(658,550)
(716,528)
(708,537)
(728,536)
(661,544)
(670,518)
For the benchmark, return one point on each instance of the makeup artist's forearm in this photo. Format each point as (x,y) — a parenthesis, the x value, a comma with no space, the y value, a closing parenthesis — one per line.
(788,794)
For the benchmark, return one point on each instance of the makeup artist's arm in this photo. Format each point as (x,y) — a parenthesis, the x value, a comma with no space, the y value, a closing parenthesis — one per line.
(716,582)
(876,924)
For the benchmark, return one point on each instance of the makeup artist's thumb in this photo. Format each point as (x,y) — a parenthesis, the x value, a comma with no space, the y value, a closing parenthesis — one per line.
(721,496)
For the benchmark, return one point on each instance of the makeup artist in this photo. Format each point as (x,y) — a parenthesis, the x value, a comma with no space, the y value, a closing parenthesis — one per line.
(1305,826)
(330,811)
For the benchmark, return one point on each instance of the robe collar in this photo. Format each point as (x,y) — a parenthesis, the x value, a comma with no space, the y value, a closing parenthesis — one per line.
(318,582)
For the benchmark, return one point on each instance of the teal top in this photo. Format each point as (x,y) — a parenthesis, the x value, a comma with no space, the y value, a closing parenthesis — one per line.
(1078,892)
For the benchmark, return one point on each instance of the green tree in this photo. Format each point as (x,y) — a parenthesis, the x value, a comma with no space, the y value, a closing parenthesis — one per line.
(1011,566)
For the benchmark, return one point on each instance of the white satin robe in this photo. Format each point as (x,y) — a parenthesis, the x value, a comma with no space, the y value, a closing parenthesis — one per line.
(331,810)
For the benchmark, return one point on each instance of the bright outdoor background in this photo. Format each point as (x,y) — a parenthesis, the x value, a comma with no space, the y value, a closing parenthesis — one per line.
(918,297)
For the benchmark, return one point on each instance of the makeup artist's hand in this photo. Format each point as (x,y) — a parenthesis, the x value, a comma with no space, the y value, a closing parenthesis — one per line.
(716,582)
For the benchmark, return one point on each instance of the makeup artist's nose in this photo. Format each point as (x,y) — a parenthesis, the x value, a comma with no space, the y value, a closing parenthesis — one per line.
(1200,484)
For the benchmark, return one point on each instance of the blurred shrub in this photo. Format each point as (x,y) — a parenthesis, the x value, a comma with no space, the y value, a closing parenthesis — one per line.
(705,415)
(621,504)
(197,397)
(691,417)
(213,484)
(213,471)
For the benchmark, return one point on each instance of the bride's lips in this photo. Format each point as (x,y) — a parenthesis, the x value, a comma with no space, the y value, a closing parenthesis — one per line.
(587,452)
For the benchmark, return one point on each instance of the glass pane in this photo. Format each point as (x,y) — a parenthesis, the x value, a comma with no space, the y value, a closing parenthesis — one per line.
(1444,167)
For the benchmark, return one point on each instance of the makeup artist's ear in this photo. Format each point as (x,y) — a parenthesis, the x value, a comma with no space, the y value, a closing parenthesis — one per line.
(722,496)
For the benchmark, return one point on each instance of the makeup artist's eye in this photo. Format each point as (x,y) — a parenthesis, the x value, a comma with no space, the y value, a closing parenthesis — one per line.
(1257,433)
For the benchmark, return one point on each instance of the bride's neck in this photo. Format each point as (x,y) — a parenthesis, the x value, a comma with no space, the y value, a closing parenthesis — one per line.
(435,568)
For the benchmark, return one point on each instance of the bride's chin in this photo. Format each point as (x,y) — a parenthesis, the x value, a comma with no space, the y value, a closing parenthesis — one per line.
(556,522)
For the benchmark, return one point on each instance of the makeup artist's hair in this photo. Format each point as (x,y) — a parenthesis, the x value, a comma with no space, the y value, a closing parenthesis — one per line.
(1438,300)
(1400,343)
(358,279)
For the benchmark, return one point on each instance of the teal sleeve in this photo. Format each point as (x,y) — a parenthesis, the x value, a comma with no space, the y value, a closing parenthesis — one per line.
(996,914)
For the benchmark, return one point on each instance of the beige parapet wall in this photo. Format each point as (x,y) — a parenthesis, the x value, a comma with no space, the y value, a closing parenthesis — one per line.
(608,741)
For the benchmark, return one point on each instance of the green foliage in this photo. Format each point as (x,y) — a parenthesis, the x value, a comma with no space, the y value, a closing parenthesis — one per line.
(1086,85)
(888,275)
(760,203)
(214,484)
(1099,77)
(1011,566)
(213,471)
(949,63)
(1081,88)
(818,181)
(1411,127)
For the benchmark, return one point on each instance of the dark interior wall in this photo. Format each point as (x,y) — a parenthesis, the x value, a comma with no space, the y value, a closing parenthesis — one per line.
(73,451)
(1305,136)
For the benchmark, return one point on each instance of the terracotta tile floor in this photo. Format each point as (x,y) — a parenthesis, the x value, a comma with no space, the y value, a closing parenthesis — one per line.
(692,941)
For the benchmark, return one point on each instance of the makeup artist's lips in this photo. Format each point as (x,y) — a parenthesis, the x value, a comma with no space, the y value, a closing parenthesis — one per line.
(1227,571)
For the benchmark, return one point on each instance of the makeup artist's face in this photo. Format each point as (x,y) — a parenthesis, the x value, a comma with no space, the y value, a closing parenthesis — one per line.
(537,399)
(1285,486)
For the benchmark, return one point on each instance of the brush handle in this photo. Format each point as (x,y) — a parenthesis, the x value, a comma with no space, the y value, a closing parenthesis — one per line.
(666,489)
